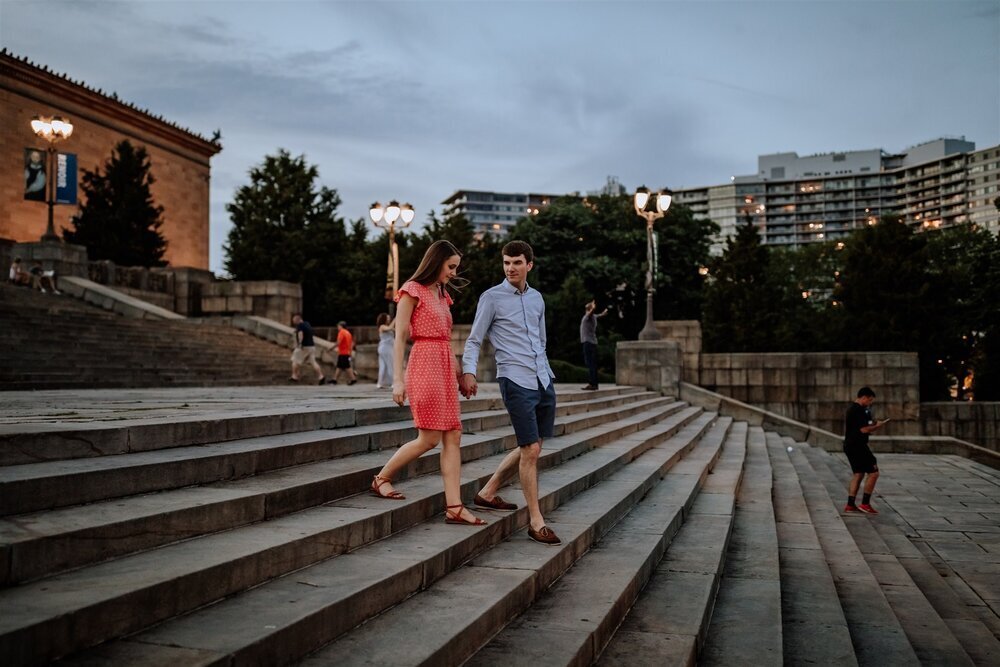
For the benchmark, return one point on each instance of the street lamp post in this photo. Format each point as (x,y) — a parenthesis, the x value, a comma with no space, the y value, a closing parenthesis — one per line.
(640,201)
(386,218)
(52,131)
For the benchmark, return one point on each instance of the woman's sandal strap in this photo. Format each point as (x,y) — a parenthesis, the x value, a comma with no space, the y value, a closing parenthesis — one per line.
(377,487)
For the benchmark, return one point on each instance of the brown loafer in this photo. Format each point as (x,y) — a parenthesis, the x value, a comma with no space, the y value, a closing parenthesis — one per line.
(544,535)
(497,503)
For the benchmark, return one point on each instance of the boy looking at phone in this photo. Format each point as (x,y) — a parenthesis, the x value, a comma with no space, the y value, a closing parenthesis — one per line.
(859,424)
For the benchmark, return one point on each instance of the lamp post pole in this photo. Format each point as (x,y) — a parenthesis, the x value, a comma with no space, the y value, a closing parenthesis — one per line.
(640,201)
(52,131)
(385,218)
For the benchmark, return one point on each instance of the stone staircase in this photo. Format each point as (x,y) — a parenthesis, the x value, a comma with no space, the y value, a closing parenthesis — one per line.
(687,537)
(49,341)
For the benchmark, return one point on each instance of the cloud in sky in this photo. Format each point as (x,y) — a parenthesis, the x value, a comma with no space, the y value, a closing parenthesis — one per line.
(414,100)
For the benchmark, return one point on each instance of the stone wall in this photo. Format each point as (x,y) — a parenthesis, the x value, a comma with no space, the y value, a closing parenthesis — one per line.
(816,387)
(978,423)
(687,334)
(273,299)
(653,364)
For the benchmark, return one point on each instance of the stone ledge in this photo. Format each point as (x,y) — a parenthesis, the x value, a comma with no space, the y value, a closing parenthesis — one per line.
(113,300)
(904,444)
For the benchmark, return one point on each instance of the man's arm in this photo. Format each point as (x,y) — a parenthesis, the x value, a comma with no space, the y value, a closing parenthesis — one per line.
(543,336)
(485,313)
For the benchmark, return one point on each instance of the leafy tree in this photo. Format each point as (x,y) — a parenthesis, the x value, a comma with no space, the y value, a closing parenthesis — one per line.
(119,220)
(285,227)
(602,243)
(739,312)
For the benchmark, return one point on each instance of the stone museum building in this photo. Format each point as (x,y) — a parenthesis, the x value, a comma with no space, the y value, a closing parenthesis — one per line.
(180,158)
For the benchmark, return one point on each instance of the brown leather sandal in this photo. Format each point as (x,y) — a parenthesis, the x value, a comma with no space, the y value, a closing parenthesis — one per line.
(451,516)
(377,485)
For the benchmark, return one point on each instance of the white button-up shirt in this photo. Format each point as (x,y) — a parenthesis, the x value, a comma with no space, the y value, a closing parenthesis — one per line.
(515,323)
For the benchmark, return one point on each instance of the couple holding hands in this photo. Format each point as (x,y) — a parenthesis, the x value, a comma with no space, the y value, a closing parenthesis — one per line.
(512,315)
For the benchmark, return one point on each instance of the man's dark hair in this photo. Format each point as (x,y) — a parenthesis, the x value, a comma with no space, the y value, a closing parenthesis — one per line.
(515,248)
(866,391)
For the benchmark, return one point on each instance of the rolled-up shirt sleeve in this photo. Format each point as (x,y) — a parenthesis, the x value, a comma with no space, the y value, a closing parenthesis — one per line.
(485,312)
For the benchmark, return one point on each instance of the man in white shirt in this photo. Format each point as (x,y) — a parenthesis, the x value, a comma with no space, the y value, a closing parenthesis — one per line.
(512,315)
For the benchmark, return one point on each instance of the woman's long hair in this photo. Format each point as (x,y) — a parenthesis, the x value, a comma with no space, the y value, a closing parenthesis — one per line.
(430,266)
(383,318)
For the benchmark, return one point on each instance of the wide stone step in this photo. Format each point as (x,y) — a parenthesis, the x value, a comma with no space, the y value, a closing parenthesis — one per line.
(585,606)
(524,568)
(668,623)
(876,633)
(746,622)
(45,542)
(975,638)
(38,486)
(814,630)
(32,443)
(293,615)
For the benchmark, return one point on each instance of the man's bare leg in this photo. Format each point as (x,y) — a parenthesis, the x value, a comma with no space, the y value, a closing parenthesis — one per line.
(504,472)
(528,469)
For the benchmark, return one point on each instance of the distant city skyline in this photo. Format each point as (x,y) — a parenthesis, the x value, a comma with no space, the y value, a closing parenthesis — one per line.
(415,100)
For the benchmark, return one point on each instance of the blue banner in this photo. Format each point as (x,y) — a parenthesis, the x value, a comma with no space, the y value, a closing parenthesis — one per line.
(66,178)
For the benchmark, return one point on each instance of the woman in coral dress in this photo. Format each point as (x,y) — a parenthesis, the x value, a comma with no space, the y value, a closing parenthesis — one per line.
(431,382)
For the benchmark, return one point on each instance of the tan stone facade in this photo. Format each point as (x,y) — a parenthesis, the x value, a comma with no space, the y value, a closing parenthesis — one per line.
(180,159)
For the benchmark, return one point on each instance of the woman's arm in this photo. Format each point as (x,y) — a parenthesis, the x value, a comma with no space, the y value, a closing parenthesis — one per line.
(404,310)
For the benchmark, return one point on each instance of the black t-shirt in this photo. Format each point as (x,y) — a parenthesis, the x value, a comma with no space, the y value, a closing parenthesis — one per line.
(858,416)
(307,333)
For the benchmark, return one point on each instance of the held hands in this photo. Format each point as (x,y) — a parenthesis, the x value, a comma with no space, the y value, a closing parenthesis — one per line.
(399,392)
(467,385)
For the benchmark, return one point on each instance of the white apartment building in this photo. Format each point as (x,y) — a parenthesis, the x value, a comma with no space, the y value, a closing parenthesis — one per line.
(796,200)
(494,212)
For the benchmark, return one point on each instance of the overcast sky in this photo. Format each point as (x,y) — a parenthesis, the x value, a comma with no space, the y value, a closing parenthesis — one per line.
(414,100)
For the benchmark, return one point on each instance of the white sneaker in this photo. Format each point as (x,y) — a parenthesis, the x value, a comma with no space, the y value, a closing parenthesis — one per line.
(44,291)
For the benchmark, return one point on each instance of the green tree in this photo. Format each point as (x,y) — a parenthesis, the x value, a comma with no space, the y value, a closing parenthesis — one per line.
(119,220)
(602,242)
(740,312)
(890,297)
(286,227)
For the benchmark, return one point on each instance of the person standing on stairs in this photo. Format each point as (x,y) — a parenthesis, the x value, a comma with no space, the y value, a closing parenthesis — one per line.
(588,338)
(386,344)
(859,424)
(512,315)
(431,380)
(305,349)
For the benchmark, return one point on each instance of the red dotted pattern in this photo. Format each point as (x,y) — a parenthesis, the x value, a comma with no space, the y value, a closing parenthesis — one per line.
(431,385)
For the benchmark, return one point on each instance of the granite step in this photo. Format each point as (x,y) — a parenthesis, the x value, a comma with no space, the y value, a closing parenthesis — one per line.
(33,443)
(669,620)
(467,620)
(295,614)
(876,632)
(746,623)
(975,638)
(39,486)
(42,543)
(814,629)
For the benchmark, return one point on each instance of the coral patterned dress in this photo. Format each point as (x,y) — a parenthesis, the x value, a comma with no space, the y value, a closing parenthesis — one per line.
(431,383)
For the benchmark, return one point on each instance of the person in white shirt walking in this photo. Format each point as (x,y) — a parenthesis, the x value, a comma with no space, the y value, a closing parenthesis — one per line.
(512,315)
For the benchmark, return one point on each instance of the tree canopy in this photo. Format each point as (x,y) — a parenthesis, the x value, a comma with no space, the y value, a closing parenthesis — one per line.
(884,287)
(119,220)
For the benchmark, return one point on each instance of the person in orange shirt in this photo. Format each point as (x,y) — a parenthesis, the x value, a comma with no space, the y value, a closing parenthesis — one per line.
(345,348)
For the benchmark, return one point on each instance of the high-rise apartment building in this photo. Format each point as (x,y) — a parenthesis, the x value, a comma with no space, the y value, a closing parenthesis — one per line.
(494,212)
(797,200)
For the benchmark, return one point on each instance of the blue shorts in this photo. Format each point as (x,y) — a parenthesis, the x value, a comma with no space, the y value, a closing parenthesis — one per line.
(532,411)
